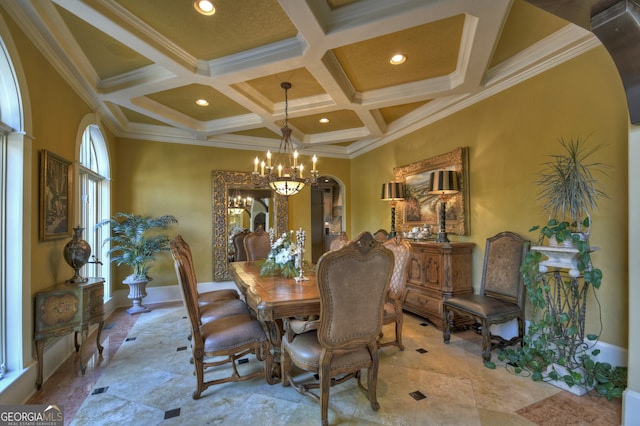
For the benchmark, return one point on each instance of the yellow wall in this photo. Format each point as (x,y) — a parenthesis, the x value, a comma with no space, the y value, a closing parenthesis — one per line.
(509,136)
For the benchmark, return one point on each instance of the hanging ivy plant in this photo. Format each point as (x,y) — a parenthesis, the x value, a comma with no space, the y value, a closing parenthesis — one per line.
(556,333)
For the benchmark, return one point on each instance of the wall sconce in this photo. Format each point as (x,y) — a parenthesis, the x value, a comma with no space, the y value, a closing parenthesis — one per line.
(393,192)
(443,183)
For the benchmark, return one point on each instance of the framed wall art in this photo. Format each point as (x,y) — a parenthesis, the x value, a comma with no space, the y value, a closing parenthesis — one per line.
(55,196)
(421,208)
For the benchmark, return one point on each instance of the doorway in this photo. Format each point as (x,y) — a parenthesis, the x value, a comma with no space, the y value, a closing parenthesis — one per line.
(327,215)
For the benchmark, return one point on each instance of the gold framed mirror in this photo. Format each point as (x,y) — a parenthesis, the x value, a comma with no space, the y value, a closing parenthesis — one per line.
(223,184)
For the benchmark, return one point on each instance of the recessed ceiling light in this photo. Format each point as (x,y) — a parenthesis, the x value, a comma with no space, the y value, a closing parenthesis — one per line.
(324,120)
(204,7)
(398,59)
(202,102)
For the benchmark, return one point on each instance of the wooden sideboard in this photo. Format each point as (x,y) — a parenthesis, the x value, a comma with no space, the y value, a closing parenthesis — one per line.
(437,271)
(66,308)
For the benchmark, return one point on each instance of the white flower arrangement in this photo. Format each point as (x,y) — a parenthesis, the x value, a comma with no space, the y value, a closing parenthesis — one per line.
(285,254)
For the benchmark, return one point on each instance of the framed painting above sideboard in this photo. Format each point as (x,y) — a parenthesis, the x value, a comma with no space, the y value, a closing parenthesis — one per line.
(421,208)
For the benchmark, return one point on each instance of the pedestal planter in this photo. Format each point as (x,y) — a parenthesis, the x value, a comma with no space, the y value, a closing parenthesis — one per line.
(137,291)
(560,257)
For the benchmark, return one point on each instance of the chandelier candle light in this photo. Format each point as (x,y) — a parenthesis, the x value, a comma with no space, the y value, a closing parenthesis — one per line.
(443,183)
(289,178)
(237,204)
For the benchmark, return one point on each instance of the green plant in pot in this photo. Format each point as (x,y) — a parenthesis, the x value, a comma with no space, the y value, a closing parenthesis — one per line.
(568,188)
(135,241)
(556,347)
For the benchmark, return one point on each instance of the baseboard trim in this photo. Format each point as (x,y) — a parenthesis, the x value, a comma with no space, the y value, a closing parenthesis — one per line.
(169,293)
(630,407)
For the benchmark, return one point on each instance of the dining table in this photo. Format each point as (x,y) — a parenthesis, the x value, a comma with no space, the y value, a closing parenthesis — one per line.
(275,297)
(272,298)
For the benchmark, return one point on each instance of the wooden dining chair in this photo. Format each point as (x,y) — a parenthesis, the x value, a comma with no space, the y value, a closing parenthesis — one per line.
(339,241)
(220,341)
(502,293)
(205,297)
(381,235)
(353,282)
(240,254)
(214,304)
(257,244)
(393,306)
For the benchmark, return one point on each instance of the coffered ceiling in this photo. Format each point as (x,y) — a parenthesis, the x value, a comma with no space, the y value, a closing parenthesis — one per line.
(142,64)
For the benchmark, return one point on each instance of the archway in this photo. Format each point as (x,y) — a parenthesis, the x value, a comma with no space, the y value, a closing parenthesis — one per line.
(327,214)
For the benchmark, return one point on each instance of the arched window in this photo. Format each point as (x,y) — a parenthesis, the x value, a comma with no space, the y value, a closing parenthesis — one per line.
(14,164)
(94,199)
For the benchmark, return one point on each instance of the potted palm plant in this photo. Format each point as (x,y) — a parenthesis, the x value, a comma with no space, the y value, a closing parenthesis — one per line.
(135,241)
(568,188)
(558,279)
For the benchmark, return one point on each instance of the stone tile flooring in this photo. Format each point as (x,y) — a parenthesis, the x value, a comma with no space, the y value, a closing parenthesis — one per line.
(144,377)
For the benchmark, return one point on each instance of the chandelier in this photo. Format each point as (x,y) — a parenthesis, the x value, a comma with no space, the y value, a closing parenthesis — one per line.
(287,178)
(237,205)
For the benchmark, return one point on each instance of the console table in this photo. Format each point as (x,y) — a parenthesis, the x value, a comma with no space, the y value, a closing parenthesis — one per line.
(66,308)
(437,271)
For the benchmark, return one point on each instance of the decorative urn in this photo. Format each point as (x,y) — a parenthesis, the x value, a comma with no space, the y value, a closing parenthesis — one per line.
(76,254)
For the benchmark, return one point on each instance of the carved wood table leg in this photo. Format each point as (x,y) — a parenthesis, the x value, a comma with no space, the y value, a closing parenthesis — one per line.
(275,331)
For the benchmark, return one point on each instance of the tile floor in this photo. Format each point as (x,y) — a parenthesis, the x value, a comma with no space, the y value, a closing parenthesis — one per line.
(144,378)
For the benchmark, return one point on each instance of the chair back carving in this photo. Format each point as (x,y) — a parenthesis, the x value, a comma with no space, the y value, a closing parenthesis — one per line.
(257,245)
(502,279)
(401,252)
(238,246)
(381,235)
(353,283)
(339,241)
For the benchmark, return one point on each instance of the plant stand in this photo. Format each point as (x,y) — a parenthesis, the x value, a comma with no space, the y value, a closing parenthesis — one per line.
(566,304)
(137,290)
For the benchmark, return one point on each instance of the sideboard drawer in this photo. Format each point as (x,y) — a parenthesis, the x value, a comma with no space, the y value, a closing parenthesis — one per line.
(428,304)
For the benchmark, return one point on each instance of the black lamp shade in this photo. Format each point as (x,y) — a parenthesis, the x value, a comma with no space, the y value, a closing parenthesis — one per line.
(392,191)
(443,182)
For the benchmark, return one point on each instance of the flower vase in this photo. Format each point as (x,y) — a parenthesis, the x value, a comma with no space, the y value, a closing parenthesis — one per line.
(76,253)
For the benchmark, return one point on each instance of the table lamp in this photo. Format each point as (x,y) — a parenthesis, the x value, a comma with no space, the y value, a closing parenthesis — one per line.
(393,192)
(443,183)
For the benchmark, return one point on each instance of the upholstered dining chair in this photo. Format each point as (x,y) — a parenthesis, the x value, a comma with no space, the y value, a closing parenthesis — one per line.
(502,293)
(214,304)
(257,244)
(220,341)
(240,254)
(353,282)
(393,306)
(205,297)
(339,241)
(381,235)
